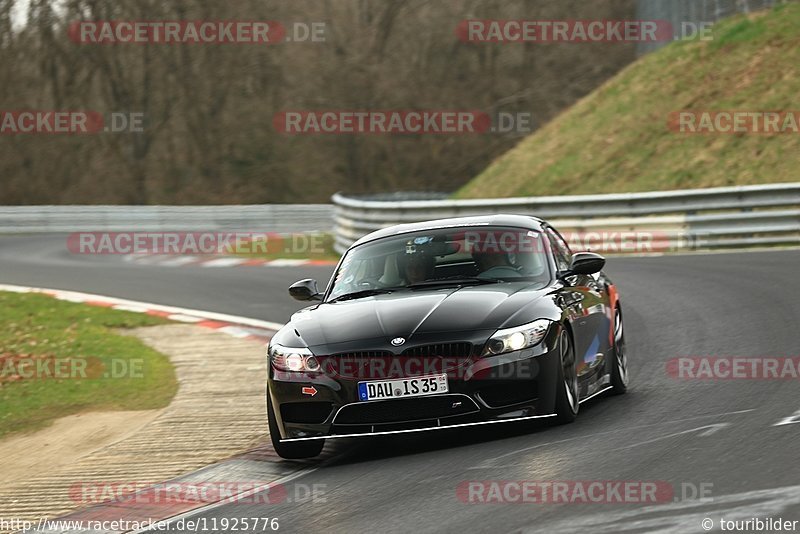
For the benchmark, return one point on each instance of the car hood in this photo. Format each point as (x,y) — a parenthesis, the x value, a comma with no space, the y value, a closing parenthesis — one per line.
(415,313)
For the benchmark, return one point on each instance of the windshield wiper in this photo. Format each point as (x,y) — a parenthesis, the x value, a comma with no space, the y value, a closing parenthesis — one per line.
(360,294)
(459,281)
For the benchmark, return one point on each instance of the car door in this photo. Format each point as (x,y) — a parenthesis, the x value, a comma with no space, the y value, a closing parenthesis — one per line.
(585,299)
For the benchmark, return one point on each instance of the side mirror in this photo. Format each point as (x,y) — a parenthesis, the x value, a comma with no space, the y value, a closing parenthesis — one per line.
(305,290)
(586,263)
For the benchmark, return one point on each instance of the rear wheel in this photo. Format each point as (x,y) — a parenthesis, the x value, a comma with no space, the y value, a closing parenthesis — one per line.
(293,450)
(566,381)
(619,371)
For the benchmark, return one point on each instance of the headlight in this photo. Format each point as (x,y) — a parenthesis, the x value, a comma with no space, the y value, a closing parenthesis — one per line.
(517,338)
(292,359)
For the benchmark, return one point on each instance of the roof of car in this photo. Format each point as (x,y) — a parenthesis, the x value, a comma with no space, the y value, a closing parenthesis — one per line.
(514,221)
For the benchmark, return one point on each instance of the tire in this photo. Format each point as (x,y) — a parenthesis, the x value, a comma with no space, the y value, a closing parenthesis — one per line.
(619,365)
(295,450)
(566,404)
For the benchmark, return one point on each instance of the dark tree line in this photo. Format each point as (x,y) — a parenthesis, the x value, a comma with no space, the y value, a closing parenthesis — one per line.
(208,133)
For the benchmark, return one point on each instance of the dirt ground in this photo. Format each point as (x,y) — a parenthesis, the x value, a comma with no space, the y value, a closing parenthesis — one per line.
(33,454)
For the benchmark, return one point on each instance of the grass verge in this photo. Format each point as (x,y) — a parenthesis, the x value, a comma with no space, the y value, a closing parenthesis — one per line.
(59,358)
(617,139)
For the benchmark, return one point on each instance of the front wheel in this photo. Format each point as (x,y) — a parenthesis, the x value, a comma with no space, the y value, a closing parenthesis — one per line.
(566,381)
(293,450)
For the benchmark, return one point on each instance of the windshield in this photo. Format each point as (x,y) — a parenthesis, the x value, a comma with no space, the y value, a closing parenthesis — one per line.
(430,258)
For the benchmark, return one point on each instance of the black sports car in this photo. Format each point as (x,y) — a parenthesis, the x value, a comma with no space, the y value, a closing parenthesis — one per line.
(445,323)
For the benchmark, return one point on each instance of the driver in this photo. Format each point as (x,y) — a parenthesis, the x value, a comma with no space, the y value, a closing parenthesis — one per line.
(494,265)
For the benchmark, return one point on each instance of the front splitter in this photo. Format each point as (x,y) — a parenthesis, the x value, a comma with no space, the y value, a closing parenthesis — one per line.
(411,430)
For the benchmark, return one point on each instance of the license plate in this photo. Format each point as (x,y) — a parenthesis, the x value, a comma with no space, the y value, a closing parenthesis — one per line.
(402,387)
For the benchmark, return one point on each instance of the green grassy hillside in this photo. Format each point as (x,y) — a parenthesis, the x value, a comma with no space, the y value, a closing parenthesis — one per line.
(617,139)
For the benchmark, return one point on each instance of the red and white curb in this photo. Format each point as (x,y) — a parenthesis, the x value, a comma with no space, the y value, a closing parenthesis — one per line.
(270,470)
(218,261)
(233,325)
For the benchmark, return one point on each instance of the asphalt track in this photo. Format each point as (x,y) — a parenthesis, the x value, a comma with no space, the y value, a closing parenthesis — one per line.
(722,434)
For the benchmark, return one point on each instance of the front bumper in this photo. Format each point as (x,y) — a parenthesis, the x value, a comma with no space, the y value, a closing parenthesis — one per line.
(511,387)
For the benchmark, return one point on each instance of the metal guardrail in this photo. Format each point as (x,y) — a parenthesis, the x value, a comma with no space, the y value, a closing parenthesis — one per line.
(278,218)
(675,220)
(739,216)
